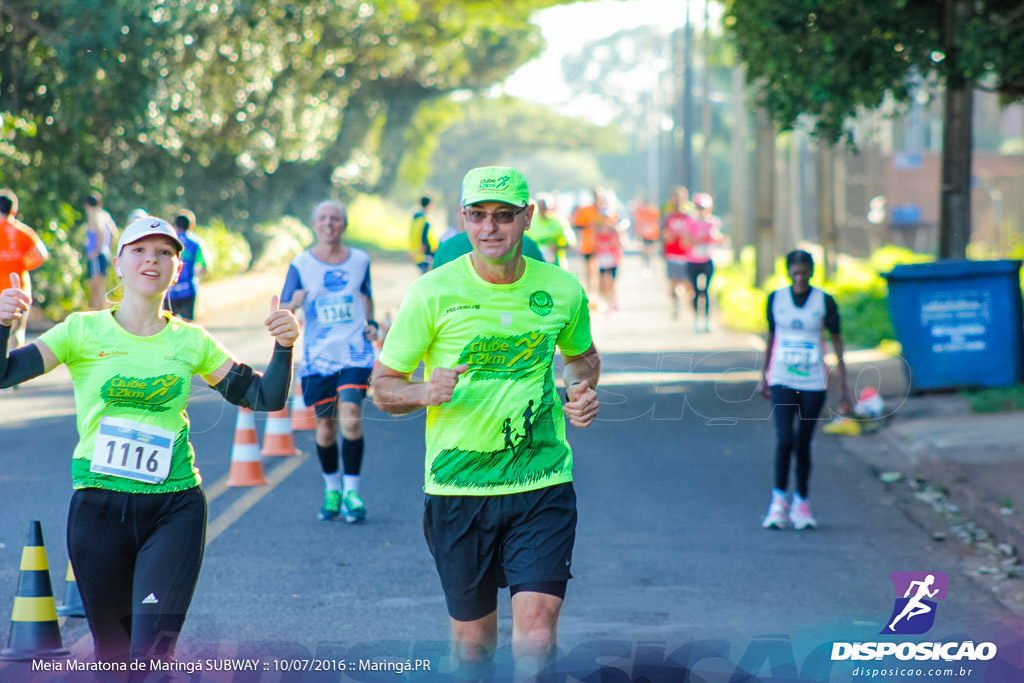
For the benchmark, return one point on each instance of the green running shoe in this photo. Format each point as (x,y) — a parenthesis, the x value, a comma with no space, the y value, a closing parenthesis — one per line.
(332,505)
(352,507)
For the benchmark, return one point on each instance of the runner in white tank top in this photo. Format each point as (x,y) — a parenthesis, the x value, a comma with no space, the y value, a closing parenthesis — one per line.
(330,283)
(794,380)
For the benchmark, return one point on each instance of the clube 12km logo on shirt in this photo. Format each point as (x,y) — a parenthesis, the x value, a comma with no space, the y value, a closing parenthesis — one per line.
(913,613)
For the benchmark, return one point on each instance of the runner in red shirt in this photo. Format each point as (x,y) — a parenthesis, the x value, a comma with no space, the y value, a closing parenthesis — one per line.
(675,246)
(608,252)
(21,250)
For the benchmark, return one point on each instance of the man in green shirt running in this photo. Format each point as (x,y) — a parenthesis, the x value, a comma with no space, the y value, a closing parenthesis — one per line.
(500,508)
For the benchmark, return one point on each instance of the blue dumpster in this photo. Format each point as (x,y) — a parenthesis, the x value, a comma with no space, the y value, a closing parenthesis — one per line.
(959,322)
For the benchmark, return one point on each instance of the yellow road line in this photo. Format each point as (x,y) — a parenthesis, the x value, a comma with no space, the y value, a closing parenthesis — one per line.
(216,489)
(216,527)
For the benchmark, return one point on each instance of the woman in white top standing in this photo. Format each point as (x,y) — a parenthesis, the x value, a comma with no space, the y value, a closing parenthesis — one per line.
(794,380)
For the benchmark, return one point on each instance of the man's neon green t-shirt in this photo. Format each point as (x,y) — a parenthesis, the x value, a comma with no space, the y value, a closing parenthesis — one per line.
(504,430)
(130,392)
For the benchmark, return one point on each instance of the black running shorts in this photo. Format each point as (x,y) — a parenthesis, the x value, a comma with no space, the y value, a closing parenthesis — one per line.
(482,543)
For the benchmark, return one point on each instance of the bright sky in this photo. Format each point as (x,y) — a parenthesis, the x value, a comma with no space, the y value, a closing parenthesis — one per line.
(567,27)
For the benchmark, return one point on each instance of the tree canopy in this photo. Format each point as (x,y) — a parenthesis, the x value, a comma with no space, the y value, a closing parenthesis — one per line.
(233,105)
(499,130)
(828,59)
(240,110)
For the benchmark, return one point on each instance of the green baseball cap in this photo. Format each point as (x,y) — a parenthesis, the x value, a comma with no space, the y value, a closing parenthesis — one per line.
(495,184)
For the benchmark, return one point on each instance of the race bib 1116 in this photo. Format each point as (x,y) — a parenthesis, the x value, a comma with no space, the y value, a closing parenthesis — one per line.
(132,450)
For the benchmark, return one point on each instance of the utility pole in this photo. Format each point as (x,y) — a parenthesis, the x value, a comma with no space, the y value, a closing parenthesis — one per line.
(705,119)
(677,171)
(764,188)
(687,160)
(827,206)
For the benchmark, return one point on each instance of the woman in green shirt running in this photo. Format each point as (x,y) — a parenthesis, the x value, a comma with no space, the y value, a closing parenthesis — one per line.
(137,520)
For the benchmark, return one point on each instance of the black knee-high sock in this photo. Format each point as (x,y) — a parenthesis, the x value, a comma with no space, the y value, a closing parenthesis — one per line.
(328,457)
(352,455)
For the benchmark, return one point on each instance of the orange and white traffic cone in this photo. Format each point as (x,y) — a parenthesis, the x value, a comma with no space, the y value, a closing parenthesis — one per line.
(72,606)
(303,416)
(35,633)
(246,466)
(278,438)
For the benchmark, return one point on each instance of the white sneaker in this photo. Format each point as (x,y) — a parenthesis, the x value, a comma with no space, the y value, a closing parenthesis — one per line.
(800,515)
(777,513)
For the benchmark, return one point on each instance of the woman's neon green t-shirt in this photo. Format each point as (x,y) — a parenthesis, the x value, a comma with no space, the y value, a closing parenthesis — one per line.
(130,380)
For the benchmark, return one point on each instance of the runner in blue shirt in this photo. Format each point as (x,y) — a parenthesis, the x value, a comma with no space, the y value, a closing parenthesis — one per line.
(181,298)
(330,282)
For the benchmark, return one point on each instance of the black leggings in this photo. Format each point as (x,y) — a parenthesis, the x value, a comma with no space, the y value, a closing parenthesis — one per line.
(136,558)
(803,407)
(693,273)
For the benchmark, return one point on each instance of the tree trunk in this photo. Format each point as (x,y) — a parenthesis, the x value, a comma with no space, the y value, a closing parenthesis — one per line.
(955,218)
(764,209)
(740,166)
(402,104)
(957,144)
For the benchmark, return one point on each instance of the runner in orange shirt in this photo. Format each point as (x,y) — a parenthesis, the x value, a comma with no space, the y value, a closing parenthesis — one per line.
(21,250)
(585,221)
(646,219)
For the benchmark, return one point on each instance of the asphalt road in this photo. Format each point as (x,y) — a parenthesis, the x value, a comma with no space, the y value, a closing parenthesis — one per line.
(671,565)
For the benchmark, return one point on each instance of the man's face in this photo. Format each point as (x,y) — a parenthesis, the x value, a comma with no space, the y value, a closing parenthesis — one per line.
(495,229)
(328,224)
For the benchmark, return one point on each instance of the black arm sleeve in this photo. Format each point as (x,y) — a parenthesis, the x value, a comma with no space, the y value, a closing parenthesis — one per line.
(267,391)
(768,312)
(20,365)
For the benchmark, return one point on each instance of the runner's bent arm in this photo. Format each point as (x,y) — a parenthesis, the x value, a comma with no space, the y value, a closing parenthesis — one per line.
(25,363)
(372,331)
(585,367)
(293,294)
(397,393)
(581,374)
(242,386)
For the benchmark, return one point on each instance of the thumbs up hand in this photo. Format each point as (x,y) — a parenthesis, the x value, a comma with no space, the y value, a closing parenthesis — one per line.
(14,302)
(281,324)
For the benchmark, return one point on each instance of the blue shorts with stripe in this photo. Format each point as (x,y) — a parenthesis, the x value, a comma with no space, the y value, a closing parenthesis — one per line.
(324,392)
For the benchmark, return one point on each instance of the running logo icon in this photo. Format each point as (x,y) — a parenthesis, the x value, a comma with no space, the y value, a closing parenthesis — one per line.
(914,610)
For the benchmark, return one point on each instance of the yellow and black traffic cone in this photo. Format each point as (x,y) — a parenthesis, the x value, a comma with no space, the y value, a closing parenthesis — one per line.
(35,633)
(72,606)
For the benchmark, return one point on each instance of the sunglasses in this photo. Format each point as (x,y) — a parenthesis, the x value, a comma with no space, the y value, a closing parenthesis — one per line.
(501,216)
